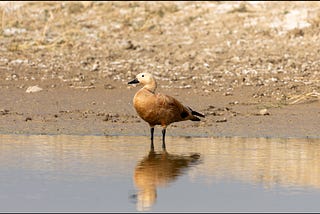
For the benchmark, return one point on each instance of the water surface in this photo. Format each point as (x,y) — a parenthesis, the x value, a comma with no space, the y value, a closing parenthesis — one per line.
(121,174)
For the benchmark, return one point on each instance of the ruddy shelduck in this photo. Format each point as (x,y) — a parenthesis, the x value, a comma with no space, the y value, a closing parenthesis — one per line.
(159,109)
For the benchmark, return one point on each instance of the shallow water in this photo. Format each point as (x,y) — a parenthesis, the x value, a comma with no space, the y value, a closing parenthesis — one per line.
(121,174)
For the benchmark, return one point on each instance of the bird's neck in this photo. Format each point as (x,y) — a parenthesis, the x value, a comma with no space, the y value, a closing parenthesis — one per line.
(152,86)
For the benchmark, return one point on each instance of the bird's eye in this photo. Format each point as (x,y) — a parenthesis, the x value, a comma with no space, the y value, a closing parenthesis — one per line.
(142,75)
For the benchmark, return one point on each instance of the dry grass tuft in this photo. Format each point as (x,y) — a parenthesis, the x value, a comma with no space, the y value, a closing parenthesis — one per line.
(305,98)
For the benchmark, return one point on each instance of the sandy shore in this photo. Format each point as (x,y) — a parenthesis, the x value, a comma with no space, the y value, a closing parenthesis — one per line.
(110,112)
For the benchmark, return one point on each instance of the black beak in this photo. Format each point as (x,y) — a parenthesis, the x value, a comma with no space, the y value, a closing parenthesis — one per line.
(135,81)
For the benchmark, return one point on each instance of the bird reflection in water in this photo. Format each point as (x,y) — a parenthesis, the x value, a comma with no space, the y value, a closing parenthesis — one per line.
(158,169)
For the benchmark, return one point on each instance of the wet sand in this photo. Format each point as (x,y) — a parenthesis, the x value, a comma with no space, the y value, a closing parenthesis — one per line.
(101,112)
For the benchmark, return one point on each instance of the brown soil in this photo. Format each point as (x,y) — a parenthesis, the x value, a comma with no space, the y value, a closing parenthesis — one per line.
(251,68)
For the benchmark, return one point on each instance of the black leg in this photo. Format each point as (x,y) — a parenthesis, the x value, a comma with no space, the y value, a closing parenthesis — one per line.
(152,131)
(163,138)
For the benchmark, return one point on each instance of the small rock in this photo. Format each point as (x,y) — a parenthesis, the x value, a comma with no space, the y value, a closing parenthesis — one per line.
(95,66)
(28,118)
(228,93)
(264,112)
(221,121)
(212,113)
(14,76)
(33,89)
(127,45)
(101,114)
(192,54)
(4,111)
(108,86)
(234,103)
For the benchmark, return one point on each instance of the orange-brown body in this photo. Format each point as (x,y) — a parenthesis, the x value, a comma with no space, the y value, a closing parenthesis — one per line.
(160,109)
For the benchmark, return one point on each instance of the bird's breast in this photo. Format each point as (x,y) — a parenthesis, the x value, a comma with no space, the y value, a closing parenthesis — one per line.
(145,105)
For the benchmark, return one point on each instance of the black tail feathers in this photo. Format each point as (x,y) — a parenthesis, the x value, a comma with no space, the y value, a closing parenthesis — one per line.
(196,113)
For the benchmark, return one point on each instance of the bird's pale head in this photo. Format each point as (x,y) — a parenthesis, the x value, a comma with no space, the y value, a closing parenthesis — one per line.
(146,79)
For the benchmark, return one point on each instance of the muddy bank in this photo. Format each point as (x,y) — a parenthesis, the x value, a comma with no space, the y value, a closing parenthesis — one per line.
(110,112)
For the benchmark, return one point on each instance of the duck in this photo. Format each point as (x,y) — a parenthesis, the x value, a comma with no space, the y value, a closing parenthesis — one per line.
(157,108)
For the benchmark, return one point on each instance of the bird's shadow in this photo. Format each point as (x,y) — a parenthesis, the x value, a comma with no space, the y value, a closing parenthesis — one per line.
(158,169)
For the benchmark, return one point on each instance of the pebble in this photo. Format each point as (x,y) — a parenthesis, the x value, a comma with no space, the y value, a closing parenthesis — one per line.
(28,118)
(108,86)
(95,67)
(33,89)
(4,111)
(221,121)
(264,112)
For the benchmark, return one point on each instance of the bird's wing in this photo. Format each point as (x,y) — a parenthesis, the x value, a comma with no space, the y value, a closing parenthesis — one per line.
(169,104)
